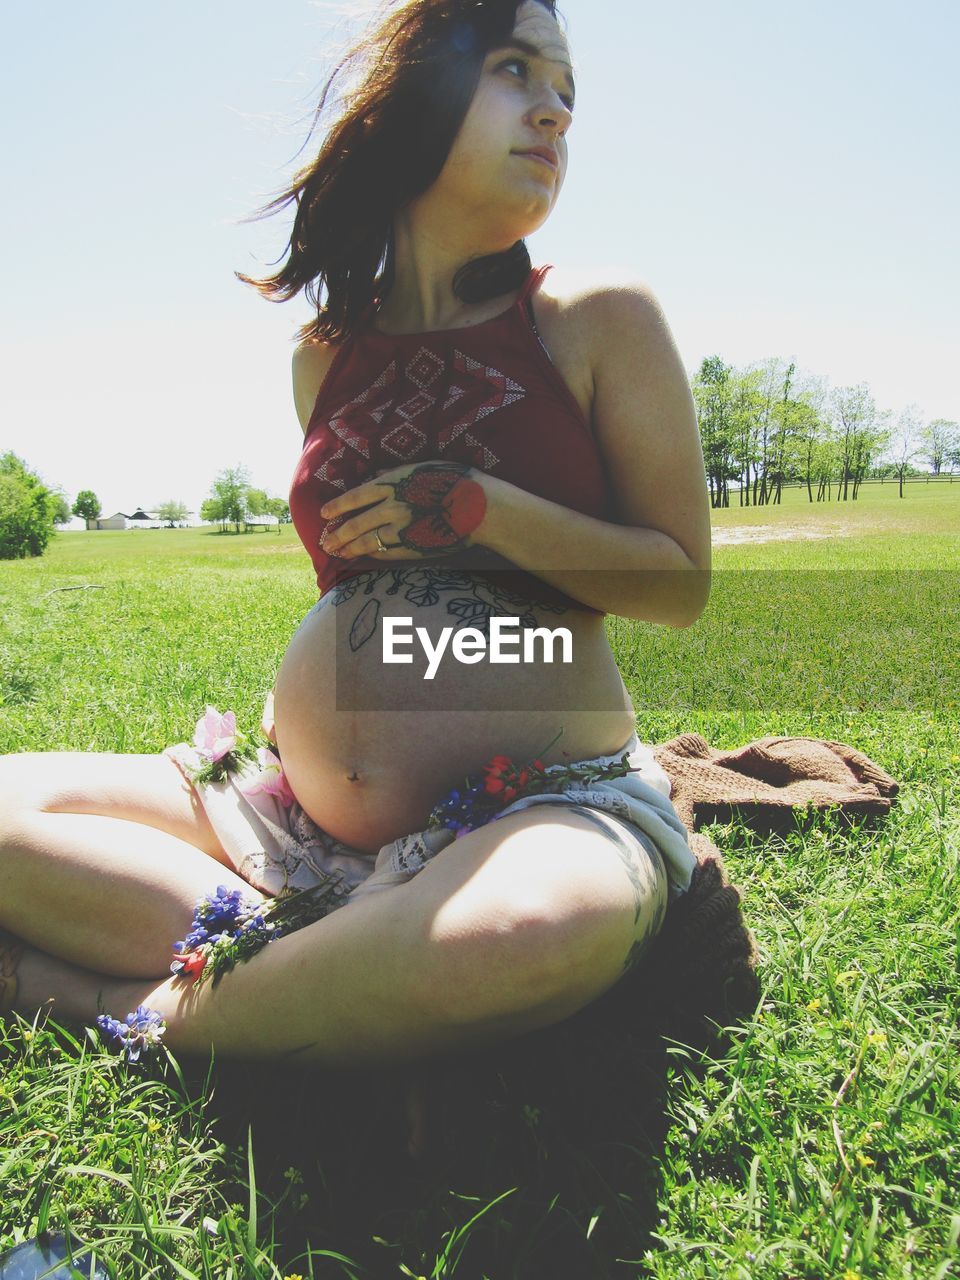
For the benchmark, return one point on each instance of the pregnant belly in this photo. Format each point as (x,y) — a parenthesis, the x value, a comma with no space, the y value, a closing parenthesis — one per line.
(369,746)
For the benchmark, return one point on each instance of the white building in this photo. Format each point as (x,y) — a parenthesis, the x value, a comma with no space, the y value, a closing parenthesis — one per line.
(140,519)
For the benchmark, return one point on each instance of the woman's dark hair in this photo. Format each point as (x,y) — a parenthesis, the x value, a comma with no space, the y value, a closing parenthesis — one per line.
(419,69)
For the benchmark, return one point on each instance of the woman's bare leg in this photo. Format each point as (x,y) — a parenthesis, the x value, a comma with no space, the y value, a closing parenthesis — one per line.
(521,925)
(149,789)
(105,893)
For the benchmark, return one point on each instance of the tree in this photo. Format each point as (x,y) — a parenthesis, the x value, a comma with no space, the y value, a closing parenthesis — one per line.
(230,488)
(27,509)
(711,392)
(279,508)
(87,504)
(256,502)
(905,442)
(211,510)
(940,443)
(791,417)
(61,508)
(172,512)
(746,411)
(768,424)
(859,433)
(809,431)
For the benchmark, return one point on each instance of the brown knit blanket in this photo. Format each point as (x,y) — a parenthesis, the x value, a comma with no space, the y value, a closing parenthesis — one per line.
(705,957)
(766,777)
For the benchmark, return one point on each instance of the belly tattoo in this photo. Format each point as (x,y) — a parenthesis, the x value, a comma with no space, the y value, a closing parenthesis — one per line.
(471,601)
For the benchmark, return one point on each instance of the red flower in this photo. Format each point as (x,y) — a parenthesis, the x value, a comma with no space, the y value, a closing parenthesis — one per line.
(499,766)
(191,964)
(504,779)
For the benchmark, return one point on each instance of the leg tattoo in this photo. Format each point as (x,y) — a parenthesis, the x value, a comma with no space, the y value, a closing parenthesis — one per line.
(643,875)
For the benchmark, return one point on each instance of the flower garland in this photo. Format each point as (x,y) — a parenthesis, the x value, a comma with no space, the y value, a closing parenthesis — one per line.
(481,799)
(228,928)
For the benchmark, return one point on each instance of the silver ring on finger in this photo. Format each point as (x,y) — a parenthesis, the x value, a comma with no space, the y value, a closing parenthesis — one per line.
(380,544)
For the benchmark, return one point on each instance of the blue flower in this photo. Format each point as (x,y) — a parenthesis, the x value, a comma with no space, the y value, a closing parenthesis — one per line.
(251,925)
(140,1033)
(220,910)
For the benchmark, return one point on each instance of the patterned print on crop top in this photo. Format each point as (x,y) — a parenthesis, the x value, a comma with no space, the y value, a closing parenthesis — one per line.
(487,395)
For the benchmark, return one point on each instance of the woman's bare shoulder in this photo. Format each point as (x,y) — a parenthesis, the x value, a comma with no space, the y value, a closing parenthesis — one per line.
(586,306)
(576,316)
(311,364)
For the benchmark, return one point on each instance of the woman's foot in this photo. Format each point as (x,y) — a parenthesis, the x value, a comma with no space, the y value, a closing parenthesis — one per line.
(32,980)
(11,952)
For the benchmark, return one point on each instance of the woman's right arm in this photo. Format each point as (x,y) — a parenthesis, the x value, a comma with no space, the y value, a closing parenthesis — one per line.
(311,363)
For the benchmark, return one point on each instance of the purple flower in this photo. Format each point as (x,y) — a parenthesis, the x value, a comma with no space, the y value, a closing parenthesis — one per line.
(139,1033)
(251,925)
(220,911)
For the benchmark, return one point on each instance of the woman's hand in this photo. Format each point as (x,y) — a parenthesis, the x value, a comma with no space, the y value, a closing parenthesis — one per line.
(423,509)
(266,720)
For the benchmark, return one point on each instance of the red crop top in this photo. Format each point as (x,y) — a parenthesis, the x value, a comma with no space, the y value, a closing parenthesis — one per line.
(487,395)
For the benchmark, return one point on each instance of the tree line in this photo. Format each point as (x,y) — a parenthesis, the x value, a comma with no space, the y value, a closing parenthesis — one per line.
(763,427)
(234,501)
(30,510)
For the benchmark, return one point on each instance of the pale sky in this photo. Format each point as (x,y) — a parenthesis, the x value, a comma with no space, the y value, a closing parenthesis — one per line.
(781,177)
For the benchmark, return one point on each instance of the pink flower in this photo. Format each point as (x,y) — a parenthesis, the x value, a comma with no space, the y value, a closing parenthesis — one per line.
(271,779)
(215,734)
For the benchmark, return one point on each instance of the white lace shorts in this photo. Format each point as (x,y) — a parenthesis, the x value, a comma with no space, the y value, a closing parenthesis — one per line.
(279,849)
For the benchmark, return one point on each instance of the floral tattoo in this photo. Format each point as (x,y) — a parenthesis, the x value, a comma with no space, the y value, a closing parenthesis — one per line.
(470,598)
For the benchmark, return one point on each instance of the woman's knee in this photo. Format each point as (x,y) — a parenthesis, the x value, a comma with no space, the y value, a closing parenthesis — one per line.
(16,779)
(147,789)
(546,905)
(46,780)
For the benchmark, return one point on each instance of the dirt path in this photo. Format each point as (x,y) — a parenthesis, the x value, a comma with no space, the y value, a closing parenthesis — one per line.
(739,533)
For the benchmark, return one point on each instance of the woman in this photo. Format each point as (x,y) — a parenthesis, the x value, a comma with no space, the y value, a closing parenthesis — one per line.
(475,449)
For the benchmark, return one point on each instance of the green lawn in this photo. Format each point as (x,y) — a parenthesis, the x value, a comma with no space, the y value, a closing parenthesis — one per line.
(816,1142)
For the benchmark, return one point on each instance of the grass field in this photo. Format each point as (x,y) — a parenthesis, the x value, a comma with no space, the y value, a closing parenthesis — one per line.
(819,1139)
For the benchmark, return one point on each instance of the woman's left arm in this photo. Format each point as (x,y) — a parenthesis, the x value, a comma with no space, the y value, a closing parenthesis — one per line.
(655,565)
